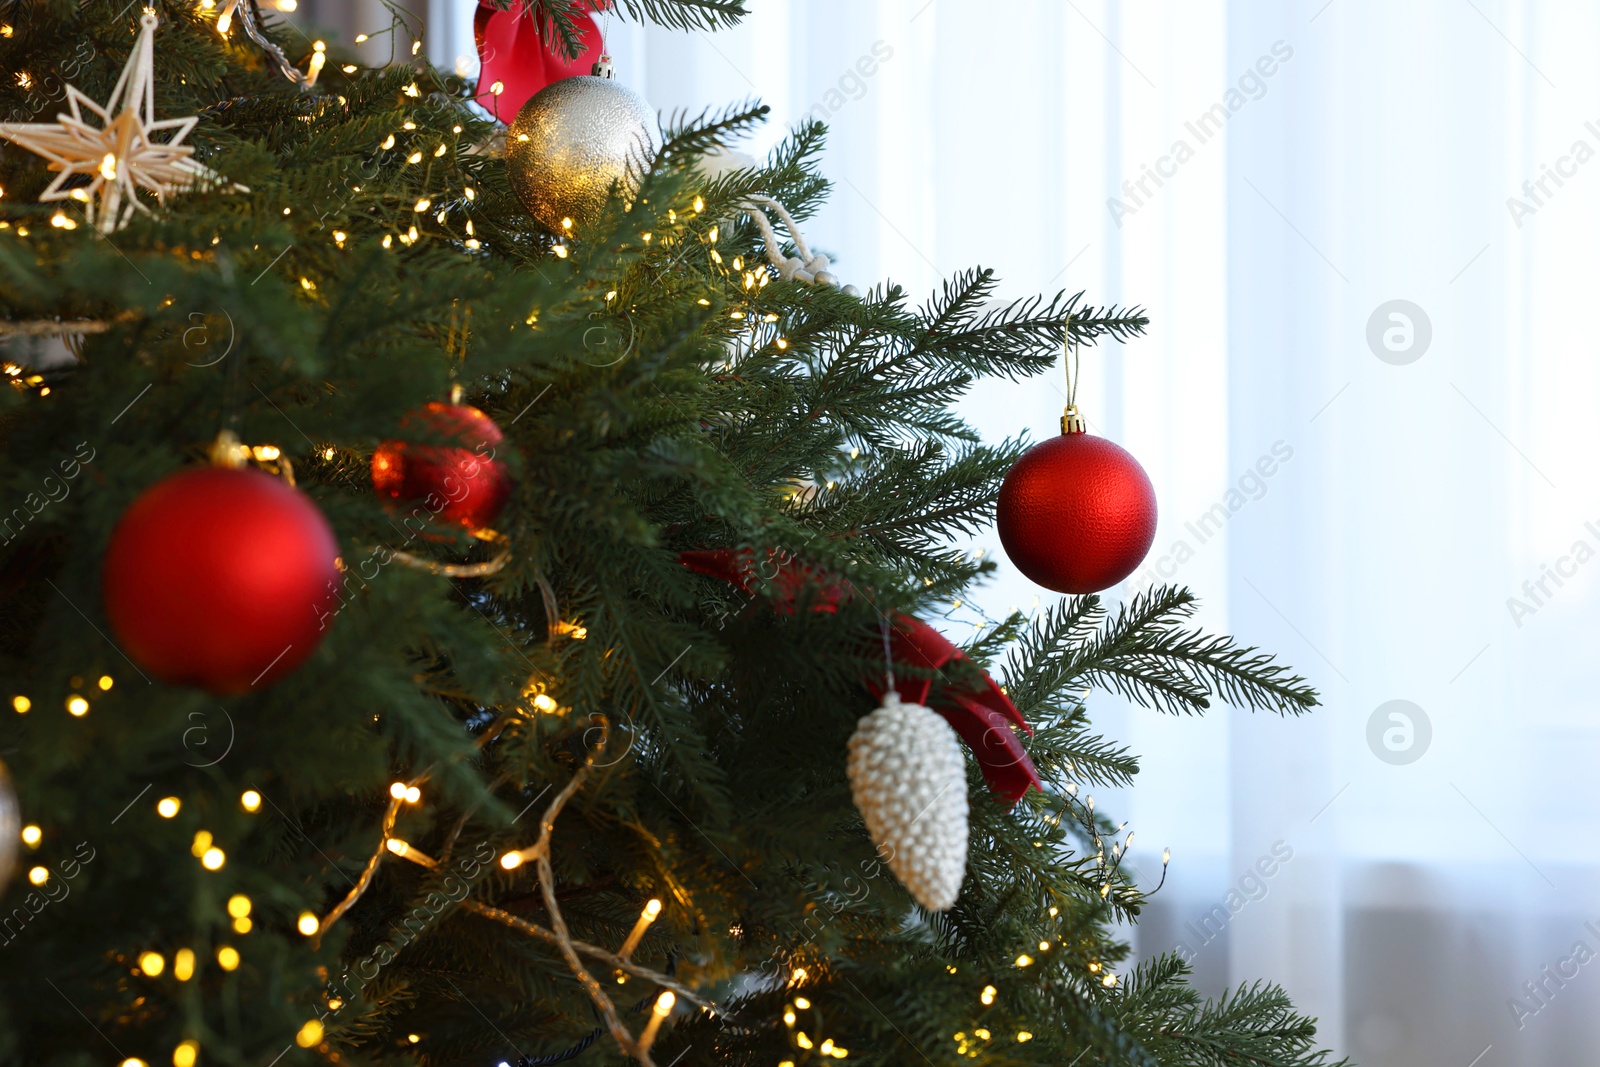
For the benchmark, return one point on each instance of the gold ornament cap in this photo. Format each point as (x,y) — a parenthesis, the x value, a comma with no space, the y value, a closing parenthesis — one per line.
(1072,422)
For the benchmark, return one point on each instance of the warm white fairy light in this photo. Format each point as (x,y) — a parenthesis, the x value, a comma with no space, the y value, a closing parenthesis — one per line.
(404,850)
(663,1008)
(646,917)
(319,58)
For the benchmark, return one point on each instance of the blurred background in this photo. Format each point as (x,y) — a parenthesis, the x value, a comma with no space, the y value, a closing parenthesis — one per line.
(1365,234)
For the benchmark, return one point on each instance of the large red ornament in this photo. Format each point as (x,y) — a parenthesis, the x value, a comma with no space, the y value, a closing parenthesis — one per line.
(514,56)
(464,485)
(220,578)
(979,710)
(1077,513)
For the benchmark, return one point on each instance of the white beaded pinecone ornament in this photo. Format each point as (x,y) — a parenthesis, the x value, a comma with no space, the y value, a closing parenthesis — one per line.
(909,779)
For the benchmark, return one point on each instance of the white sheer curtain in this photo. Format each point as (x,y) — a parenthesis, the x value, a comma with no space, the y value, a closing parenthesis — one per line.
(1355,498)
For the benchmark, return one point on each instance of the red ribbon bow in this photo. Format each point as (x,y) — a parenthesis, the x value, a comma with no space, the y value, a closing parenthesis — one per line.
(980,712)
(513,54)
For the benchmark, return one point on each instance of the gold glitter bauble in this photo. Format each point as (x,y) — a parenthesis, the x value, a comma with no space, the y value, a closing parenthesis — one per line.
(572,142)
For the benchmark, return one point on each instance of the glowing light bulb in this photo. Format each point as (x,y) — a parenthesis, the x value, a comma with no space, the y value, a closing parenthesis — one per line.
(228,958)
(152,963)
(213,859)
(307,924)
(186,1054)
(310,1034)
(183,964)
(511,860)
(39,875)
(21,704)
(250,800)
(238,905)
(105,683)
(77,706)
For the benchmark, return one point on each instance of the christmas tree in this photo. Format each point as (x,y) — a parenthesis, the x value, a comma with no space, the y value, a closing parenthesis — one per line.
(557,767)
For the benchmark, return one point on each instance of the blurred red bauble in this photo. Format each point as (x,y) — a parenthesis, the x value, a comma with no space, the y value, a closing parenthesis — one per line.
(1077,513)
(464,485)
(220,578)
(516,55)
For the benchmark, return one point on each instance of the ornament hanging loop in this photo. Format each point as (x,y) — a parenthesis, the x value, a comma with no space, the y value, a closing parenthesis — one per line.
(1072,363)
(888,659)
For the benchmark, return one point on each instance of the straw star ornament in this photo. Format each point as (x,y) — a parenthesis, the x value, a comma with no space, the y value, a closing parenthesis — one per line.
(120,155)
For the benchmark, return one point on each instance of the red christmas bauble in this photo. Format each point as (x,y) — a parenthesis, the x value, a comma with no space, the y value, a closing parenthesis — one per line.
(465,485)
(1077,513)
(220,578)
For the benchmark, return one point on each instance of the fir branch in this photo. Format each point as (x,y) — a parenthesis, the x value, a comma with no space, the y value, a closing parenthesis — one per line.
(1145,654)
(683,137)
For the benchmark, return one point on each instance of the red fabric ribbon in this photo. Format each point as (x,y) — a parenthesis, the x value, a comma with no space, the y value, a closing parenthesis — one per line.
(979,711)
(513,53)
